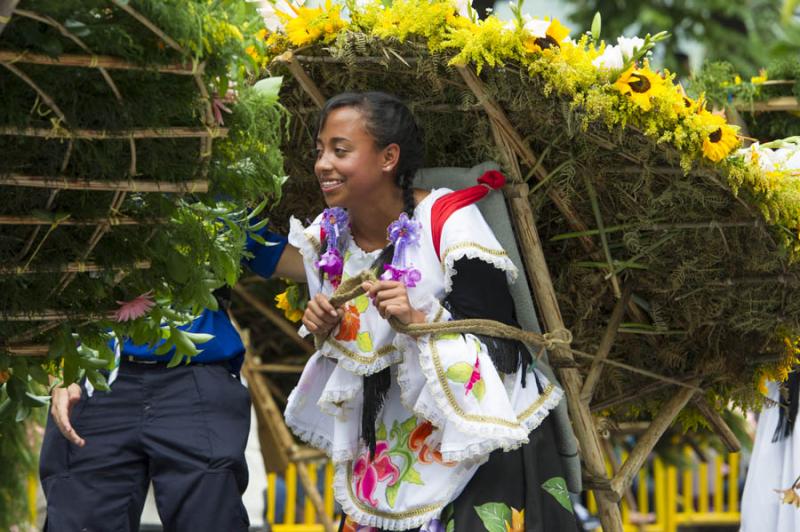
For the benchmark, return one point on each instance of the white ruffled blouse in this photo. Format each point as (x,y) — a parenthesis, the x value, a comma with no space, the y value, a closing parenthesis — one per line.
(435,429)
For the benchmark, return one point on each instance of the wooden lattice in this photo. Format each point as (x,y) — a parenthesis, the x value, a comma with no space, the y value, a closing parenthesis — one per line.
(24,263)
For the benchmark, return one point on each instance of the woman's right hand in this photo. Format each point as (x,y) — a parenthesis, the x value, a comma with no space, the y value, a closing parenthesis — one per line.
(320,316)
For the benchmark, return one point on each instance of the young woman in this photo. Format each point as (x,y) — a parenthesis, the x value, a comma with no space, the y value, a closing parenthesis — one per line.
(434,432)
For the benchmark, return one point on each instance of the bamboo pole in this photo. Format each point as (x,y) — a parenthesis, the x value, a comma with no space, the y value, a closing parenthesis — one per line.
(606,343)
(779,103)
(629,396)
(278,368)
(312,493)
(111,220)
(74,38)
(91,61)
(144,21)
(718,424)
(74,267)
(38,350)
(669,411)
(135,133)
(129,185)
(359,59)
(542,287)
(53,315)
(302,78)
(494,112)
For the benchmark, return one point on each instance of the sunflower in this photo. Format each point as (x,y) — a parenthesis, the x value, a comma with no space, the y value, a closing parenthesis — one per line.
(640,84)
(551,37)
(721,140)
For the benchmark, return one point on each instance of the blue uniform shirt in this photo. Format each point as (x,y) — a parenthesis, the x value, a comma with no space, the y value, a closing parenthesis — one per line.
(226,344)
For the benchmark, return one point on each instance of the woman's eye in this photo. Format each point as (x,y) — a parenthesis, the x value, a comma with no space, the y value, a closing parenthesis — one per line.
(340,151)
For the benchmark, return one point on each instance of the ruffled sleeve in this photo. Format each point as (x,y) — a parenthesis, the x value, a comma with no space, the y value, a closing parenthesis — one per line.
(466,234)
(452,380)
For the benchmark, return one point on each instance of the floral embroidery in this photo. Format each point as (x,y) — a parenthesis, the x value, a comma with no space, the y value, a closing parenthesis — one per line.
(351,322)
(434,525)
(470,376)
(367,473)
(417,442)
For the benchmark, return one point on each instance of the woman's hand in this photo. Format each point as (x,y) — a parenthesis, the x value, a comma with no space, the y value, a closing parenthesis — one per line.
(61,404)
(391,299)
(320,317)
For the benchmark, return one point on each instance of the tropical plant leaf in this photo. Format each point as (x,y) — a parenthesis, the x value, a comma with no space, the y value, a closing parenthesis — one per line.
(494,516)
(557,487)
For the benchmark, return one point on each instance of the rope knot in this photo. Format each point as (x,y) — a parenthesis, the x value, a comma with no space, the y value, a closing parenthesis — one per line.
(557,337)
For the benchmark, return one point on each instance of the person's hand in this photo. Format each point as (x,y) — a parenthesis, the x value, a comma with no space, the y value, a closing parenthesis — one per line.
(391,299)
(62,401)
(320,317)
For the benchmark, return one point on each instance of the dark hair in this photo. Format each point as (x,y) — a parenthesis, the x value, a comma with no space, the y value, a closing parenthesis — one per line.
(389,121)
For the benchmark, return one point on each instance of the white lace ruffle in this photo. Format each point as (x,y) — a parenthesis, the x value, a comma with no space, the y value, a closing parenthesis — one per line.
(342,491)
(464,439)
(501,262)
(351,363)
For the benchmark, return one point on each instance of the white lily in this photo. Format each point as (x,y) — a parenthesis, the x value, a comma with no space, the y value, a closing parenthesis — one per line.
(536,27)
(615,56)
(465,9)
(271,12)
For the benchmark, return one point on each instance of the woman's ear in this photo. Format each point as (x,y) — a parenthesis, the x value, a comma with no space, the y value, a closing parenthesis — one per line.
(391,157)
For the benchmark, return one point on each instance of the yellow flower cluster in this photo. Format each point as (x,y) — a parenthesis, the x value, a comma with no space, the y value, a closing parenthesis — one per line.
(311,24)
(634,95)
(282,302)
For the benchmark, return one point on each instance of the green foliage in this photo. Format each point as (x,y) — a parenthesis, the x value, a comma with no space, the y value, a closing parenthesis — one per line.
(740,32)
(187,244)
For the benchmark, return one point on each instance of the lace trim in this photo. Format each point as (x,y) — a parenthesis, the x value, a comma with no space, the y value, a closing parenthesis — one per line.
(368,516)
(497,433)
(361,364)
(472,250)
(312,437)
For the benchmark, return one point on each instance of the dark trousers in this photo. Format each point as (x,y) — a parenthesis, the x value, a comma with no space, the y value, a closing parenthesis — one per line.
(184,428)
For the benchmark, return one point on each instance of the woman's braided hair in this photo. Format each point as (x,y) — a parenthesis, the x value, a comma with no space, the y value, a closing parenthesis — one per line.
(389,121)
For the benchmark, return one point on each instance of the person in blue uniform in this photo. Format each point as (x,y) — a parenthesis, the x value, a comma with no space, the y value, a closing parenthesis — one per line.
(183,428)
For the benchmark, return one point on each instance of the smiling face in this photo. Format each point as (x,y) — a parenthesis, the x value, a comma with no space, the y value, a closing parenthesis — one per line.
(350,167)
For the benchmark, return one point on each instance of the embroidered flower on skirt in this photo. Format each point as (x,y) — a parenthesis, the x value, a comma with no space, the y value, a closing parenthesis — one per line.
(334,226)
(403,232)
(367,473)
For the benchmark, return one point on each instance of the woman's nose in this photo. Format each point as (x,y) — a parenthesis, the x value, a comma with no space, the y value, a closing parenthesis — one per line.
(323,163)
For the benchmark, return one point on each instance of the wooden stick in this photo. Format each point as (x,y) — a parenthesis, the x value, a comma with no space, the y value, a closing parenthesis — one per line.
(627,397)
(543,291)
(53,315)
(39,350)
(359,59)
(598,218)
(111,220)
(718,424)
(76,267)
(779,103)
(669,411)
(129,185)
(39,91)
(144,21)
(74,38)
(302,78)
(312,492)
(606,343)
(91,61)
(523,150)
(136,133)
(278,368)
(275,318)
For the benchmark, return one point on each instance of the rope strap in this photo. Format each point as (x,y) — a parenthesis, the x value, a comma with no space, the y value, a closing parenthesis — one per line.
(351,288)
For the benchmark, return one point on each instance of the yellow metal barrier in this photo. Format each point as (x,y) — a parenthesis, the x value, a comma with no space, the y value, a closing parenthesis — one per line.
(669,504)
(308,521)
(658,503)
